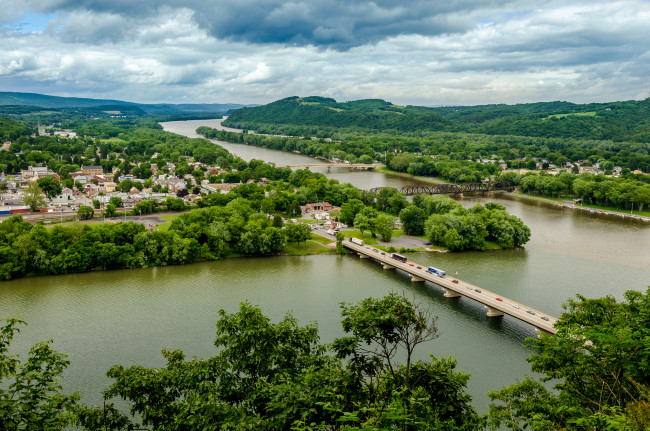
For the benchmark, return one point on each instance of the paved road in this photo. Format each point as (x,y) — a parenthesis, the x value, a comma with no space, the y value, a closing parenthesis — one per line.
(490,299)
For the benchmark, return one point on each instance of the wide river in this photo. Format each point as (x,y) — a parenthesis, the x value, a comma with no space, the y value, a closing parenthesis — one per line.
(127,317)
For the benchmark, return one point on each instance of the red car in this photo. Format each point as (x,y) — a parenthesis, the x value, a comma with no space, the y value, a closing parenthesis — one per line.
(454,281)
(410,264)
(498,299)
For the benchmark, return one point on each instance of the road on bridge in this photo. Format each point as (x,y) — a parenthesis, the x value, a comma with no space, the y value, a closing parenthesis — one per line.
(496,304)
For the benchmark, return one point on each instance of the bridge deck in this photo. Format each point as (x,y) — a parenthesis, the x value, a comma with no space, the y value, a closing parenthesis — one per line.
(463,288)
(330,165)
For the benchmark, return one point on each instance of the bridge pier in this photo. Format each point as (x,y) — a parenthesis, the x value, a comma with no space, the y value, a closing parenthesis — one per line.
(450,293)
(493,312)
(387,266)
(363,256)
(415,278)
(329,169)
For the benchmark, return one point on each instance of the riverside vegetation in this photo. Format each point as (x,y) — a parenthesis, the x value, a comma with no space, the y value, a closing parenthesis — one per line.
(279,376)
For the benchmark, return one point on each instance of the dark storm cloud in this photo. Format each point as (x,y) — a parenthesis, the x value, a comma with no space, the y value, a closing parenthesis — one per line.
(339,24)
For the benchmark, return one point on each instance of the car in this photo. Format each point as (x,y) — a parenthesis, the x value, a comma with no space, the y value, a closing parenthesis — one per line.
(477,290)
(499,299)
(410,264)
(383,254)
(530,312)
(515,305)
(419,267)
(375,250)
(454,281)
(470,287)
(544,318)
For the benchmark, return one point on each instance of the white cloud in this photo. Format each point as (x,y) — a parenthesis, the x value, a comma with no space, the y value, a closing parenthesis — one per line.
(580,52)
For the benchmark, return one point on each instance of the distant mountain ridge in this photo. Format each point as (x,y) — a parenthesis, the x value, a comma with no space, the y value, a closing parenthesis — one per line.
(58,102)
(617,121)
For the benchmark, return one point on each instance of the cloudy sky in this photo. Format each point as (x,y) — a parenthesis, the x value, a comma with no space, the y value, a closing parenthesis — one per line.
(422,52)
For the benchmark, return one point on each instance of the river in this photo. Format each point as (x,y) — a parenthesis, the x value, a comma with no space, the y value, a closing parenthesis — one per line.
(126,317)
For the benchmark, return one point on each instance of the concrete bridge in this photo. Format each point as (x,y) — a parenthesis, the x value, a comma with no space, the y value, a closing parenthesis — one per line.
(453,287)
(360,166)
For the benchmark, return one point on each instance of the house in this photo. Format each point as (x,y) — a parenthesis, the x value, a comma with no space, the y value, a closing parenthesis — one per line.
(67,193)
(322,216)
(109,186)
(92,170)
(590,169)
(218,187)
(313,207)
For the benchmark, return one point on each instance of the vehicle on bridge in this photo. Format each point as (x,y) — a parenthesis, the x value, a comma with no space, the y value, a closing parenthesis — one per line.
(436,271)
(399,257)
(357,241)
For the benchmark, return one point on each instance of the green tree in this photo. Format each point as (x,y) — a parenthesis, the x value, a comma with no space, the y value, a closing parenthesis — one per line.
(349,211)
(50,186)
(31,396)
(85,212)
(116,201)
(33,197)
(109,211)
(384,225)
(598,366)
(378,330)
(362,222)
(413,218)
(298,232)
(96,204)
(339,242)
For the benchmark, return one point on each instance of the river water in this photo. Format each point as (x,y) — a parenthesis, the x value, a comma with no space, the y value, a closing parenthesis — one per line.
(127,317)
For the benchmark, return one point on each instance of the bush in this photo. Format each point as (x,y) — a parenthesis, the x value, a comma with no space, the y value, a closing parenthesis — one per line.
(85,212)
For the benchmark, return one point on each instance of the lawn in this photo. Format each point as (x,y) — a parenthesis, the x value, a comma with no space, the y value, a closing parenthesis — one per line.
(310,221)
(576,114)
(165,226)
(315,245)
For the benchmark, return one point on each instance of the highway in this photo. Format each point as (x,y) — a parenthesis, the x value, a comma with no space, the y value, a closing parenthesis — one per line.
(497,305)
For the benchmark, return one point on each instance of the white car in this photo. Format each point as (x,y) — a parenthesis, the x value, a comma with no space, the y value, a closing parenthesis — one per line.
(515,305)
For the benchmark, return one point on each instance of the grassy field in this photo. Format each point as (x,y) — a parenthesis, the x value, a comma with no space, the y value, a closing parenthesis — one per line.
(165,226)
(315,245)
(112,140)
(576,114)
(310,221)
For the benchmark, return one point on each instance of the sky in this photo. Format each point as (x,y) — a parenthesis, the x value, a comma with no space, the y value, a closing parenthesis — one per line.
(408,52)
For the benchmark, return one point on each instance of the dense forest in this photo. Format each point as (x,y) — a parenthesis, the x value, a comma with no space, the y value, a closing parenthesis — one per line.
(615,121)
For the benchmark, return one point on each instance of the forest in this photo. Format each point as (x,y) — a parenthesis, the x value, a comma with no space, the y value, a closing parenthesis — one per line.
(615,121)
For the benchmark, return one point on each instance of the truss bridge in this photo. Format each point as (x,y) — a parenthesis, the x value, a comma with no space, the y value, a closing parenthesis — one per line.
(449,189)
